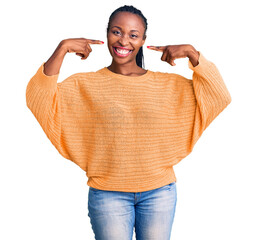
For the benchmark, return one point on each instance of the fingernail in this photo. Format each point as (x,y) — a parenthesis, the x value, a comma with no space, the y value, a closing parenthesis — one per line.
(148,46)
(102,42)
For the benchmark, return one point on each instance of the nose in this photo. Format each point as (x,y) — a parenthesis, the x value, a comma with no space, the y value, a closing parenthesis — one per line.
(123,40)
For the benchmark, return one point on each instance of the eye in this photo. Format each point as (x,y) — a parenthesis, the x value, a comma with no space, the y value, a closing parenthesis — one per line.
(115,31)
(134,35)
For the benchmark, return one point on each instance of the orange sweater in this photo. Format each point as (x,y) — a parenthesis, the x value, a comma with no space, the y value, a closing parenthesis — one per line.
(127,132)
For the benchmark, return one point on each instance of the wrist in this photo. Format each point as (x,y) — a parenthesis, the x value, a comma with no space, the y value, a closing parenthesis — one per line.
(63,47)
(193,55)
(191,52)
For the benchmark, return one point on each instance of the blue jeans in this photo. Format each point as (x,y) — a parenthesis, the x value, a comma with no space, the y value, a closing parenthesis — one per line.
(113,215)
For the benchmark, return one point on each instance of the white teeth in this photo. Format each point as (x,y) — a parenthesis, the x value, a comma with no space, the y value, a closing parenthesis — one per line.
(122,51)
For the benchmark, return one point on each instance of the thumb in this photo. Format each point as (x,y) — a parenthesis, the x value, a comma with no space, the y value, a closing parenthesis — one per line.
(173,63)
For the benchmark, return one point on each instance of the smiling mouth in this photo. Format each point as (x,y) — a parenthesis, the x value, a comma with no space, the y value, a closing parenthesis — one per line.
(122,52)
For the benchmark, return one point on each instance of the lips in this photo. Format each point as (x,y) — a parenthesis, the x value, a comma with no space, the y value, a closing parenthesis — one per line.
(122,52)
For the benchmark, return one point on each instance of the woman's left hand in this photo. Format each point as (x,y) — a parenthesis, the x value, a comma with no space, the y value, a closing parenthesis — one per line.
(172,52)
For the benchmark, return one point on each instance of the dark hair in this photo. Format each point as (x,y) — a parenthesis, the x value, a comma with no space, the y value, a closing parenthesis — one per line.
(131,9)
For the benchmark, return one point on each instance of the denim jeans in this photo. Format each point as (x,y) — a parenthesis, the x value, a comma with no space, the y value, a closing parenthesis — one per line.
(113,214)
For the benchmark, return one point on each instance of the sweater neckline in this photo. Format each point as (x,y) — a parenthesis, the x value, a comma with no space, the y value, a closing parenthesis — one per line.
(132,79)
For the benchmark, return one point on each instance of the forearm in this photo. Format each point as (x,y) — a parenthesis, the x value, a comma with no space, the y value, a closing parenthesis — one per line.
(210,90)
(43,95)
(53,64)
(210,93)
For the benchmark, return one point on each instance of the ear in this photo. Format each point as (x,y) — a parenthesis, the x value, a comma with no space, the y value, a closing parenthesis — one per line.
(144,38)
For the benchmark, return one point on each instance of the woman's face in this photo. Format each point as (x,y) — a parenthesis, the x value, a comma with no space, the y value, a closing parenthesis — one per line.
(127,32)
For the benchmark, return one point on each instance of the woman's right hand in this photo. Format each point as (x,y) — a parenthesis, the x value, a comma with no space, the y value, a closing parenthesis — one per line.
(80,46)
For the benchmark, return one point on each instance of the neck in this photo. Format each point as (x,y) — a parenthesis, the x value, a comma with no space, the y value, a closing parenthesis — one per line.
(124,69)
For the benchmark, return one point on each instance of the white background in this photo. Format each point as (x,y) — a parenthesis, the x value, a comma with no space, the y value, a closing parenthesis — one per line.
(44,196)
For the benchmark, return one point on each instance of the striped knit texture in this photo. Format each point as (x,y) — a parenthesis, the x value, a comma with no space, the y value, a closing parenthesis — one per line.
(127,132)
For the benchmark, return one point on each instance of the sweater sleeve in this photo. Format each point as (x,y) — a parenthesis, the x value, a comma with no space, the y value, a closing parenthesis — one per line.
(211,96)
(43,98)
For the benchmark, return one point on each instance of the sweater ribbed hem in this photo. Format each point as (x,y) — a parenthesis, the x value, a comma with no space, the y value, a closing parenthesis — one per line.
(164,178)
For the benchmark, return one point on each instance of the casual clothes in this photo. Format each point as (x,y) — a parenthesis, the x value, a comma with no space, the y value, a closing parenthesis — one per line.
(127,132)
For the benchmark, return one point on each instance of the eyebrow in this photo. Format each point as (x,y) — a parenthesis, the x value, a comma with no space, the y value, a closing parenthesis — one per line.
(130,30)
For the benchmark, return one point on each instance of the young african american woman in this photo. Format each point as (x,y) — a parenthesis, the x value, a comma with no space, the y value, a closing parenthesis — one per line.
(126,126)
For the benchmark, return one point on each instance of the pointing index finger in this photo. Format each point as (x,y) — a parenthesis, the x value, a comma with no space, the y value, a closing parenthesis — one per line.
(157,48)
(93,41)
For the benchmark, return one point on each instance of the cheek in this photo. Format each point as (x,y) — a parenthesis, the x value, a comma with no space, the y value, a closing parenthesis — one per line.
(112,38)
(138,43)
(137,46)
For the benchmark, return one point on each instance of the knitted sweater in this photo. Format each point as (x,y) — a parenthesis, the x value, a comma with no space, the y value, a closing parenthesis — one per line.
(127,132)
